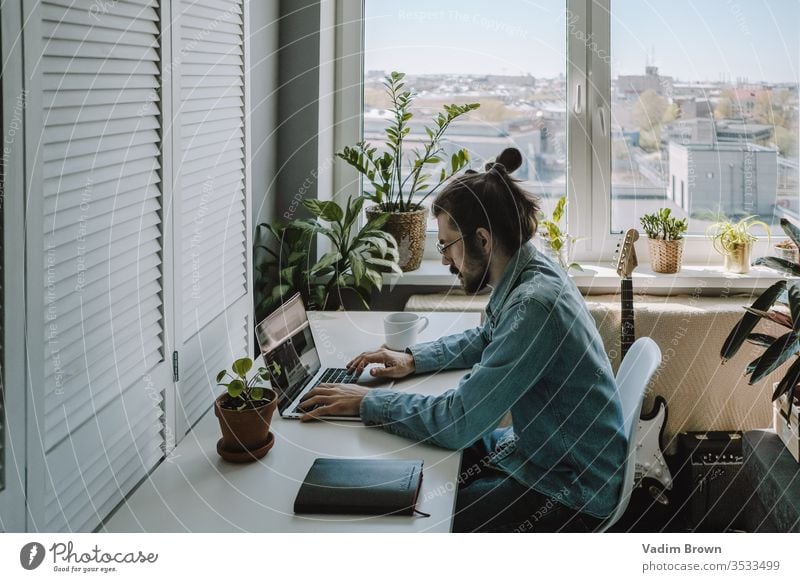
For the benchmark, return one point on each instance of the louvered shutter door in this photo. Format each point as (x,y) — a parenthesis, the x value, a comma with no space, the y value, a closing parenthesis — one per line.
(104,361)
(2,325)
(213,206)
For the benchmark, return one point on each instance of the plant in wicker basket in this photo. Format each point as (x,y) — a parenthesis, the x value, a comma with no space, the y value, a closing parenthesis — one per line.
(402,193)
(665,240)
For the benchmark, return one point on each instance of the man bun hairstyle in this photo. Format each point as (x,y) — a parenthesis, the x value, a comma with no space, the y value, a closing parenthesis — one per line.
(492,200)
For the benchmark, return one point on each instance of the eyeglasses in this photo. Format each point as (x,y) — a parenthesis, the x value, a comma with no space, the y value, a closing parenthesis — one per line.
(443,247)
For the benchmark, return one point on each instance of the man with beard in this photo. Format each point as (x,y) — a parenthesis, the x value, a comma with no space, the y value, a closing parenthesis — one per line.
(538,356)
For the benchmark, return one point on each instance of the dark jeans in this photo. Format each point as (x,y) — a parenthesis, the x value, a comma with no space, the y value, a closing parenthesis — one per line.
(491,501)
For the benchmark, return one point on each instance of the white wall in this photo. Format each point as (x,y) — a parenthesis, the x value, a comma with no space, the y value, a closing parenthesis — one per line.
(264,21)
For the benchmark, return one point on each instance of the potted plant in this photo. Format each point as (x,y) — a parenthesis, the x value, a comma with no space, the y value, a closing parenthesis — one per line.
(787,250)
(245,412)
(734,241)
(665,240)
(559,244)
(401,178)
(355,263)
(778,350)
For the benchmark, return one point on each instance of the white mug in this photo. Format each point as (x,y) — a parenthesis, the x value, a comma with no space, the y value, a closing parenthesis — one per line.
(402,329)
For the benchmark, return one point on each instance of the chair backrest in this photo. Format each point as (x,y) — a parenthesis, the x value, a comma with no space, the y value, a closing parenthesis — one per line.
(633,376)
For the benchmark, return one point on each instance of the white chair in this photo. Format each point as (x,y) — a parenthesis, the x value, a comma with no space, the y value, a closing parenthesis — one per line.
(633,376)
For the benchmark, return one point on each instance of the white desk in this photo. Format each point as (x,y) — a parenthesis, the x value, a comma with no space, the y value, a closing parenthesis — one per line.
(195,490)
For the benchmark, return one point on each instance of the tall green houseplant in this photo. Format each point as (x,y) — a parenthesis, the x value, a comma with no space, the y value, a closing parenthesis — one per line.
(356,262)
(401,178)
(778,350)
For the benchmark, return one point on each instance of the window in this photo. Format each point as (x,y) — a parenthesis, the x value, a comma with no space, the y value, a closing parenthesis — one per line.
(708,92)
(471,53)
(612,102)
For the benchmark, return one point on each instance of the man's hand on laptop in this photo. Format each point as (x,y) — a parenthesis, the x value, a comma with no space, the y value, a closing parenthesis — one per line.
(333,400)
(395,364)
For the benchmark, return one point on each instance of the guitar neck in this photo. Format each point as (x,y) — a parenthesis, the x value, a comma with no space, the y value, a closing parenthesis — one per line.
(626,328)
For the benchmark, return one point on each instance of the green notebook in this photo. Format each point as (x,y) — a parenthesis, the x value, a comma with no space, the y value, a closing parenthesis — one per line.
(360,486)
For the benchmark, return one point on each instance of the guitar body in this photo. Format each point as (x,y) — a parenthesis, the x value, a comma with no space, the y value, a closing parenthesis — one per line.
(650,463)
(651,468)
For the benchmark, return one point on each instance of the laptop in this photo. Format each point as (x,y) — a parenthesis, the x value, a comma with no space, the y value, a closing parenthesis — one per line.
(292,359)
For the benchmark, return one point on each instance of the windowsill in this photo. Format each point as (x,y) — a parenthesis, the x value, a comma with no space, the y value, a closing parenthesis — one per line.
(601,279)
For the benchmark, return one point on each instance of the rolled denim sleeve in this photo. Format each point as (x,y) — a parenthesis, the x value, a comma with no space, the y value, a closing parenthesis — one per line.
(457,351)
(511,363)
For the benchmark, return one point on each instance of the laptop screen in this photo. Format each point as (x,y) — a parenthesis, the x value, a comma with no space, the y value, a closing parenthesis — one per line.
(289,351)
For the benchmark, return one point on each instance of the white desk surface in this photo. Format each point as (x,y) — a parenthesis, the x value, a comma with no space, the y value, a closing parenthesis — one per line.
(194,490)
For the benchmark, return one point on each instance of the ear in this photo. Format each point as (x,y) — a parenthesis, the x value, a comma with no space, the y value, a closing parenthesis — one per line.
(484,238)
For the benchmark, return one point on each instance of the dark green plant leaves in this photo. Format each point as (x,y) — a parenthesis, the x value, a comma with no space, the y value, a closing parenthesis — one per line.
(789,380)
(221,375)
(745,326)
(779,264)
(794,305)
(791,231)
(775,355)
(326,210)
(761,339)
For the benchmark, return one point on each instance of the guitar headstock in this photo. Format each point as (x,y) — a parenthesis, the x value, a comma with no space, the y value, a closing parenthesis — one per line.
(626,254)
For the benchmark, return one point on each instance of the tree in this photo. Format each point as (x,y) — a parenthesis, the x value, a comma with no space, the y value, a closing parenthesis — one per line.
(724,109)
(493,110)
(649,111)
(786,142)
(671,113)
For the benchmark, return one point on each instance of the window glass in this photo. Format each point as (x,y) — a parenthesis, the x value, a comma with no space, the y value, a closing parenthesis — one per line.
(704,110)
(511,61)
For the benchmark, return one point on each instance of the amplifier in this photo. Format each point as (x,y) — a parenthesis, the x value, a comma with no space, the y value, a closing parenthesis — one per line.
(710,462)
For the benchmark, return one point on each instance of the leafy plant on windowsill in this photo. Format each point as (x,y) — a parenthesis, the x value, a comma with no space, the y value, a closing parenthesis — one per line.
(394,191)
(778,350)
(661,225)
(725,235)
(560,242)
(356,261)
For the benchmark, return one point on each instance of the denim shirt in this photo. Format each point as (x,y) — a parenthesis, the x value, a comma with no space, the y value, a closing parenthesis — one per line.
(540,356)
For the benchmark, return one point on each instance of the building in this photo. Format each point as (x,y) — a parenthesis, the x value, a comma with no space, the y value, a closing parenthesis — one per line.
(631,86)
(731,178)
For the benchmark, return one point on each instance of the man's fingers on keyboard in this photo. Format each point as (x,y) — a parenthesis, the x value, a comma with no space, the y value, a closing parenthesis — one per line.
(319,411)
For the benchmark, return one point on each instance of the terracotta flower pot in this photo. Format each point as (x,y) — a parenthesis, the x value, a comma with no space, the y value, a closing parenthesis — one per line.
(408,229)
(665,255)
(245,433)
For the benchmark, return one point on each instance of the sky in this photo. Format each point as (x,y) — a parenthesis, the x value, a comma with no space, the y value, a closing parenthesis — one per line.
(691,40)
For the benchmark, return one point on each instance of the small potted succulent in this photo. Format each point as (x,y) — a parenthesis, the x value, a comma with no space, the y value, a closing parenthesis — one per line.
(400,178)
(787,250)
(734,241)
(665,240)
(245,412)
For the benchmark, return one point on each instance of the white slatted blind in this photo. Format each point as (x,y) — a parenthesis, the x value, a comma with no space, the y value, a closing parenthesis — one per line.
(213,224)
(104,311)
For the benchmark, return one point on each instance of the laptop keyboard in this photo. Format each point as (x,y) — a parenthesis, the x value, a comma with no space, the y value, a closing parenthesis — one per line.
(330,376)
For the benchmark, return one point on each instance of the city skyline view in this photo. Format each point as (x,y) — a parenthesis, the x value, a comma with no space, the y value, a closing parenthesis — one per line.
(689,126)
(696,42)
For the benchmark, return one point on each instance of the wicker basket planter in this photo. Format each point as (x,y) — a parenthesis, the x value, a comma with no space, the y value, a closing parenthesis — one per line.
(665,255)
(408,229)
